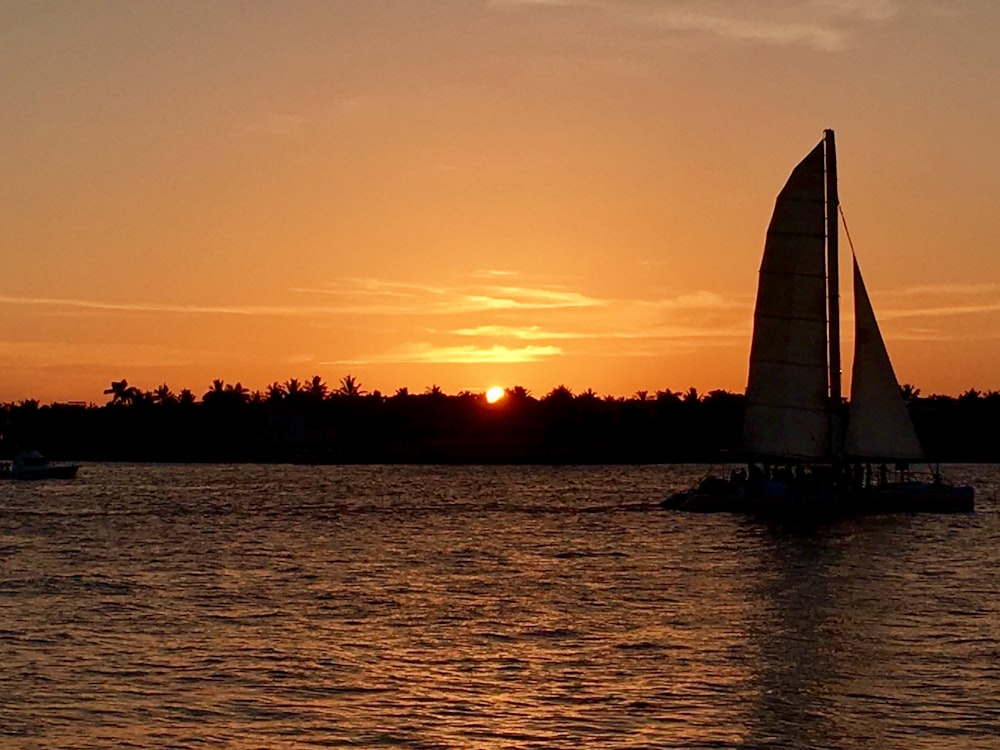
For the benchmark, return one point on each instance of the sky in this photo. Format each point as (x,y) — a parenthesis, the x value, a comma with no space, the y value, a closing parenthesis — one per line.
(467,193)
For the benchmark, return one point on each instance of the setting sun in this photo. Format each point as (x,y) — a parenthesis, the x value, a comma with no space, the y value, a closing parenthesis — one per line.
(494,394)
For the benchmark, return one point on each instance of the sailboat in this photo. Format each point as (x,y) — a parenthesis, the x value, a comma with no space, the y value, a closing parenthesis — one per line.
(807,450)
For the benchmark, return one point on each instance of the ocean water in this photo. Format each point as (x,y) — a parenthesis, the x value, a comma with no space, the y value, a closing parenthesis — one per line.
(153,606)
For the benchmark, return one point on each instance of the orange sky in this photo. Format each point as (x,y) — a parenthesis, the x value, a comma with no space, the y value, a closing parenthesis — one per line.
(478,192)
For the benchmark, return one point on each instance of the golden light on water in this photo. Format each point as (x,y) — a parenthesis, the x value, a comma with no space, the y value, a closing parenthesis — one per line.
(494,394)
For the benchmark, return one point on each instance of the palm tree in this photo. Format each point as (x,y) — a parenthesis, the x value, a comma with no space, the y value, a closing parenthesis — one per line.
(216,392)
(350,387)
(186,397)
(163,395)
(293,388)
(560,393)
(123,393)
(518,393)
(238,393)
(317,388)
(276,391)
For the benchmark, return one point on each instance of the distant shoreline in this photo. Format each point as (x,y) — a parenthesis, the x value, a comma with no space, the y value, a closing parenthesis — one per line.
(433,428)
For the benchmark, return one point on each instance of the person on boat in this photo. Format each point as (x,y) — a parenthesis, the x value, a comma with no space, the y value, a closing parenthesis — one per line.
(857,478)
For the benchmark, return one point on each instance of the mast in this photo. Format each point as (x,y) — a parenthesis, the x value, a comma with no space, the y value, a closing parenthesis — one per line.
(833,285)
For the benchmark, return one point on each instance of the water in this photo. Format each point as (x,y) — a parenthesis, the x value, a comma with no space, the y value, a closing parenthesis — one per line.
(482,607)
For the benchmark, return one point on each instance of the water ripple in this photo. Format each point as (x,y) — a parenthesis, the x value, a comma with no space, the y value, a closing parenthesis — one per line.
(482,607)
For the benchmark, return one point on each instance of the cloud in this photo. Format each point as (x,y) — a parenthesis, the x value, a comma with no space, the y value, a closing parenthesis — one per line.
(424,353)
(939,311)
(959,290)
(146,307)
(380,297)
(517,332)
(490,273)
(700,300)
(938,300)
(279,124)
(823,25)
(17,354)
(541,3)
(654,332)
(823,37)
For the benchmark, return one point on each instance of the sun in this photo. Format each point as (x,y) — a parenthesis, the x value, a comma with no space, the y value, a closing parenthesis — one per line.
(494,394)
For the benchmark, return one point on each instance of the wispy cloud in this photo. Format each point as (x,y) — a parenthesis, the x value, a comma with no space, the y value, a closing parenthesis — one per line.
(528,333)
(380,297)
(819,36)
(823,25)
(15,354)
(492,273)
(700,301)
(959,290)
(146,307)
(938,301)
(650,332)
(279,124)
(939,311)
(424,353)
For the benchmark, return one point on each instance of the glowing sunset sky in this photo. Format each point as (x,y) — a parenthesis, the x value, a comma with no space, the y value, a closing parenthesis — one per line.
(479,192)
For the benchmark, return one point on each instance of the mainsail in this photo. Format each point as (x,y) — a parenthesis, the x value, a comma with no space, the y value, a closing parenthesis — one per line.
(787,413)
(878,427)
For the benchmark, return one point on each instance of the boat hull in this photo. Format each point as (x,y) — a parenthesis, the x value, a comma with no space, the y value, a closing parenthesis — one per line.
(61,471)
(771,501)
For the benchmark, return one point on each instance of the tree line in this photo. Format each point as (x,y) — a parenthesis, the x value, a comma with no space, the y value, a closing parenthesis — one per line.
(310,421)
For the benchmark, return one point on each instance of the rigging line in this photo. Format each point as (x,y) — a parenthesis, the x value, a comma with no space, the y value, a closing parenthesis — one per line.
(847,232)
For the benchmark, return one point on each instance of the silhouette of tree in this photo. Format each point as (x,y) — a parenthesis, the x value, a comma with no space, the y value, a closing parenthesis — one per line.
(293,389)
(401,393)
(238,393)
(350,387)
(163,395)
(186,397)
(216,393)
(122,393)
(317,388)
(642,395)
(518,394)
(908,392)
(559,394)
(667,396)
(276,392)
(220,393)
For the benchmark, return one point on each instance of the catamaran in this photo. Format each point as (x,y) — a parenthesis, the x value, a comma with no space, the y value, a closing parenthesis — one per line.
(807,450)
